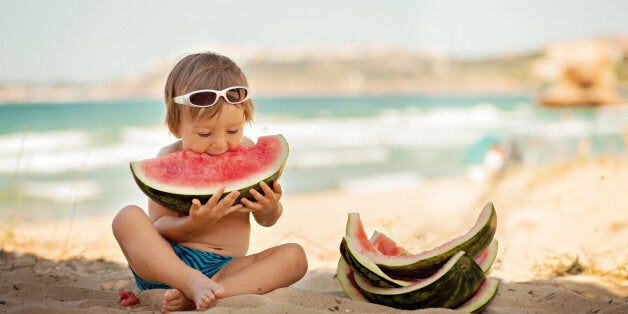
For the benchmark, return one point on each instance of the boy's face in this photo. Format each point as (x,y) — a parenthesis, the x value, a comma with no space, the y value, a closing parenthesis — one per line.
(214,136)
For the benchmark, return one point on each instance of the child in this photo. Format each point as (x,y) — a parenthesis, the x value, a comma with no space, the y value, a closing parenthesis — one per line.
(202,257)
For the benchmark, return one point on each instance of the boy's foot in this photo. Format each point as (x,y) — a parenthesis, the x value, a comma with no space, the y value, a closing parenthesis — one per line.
(175,300)
(203,290)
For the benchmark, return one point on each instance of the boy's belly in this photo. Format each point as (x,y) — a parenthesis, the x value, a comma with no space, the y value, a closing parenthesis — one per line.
(229,237)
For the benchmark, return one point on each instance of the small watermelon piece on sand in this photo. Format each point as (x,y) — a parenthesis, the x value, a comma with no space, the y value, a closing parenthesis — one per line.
(173,181)
(127,298)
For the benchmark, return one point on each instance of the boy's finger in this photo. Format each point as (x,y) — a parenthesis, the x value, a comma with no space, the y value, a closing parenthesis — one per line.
(196,204)
(246,202)
(216,197)
(256,195)
(250,205)
(277,187)
(267,190)
(234,208)
(229,199)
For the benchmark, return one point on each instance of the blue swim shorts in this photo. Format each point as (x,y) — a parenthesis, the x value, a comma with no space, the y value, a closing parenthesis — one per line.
(208,263)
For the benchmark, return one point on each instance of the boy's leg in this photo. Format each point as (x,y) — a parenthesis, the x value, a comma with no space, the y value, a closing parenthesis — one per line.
(152,258)
(276,267)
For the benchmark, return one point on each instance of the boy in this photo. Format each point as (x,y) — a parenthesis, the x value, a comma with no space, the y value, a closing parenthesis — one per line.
(202,257)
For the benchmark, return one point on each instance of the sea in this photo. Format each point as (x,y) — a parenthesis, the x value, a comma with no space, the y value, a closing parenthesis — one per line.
(60,160)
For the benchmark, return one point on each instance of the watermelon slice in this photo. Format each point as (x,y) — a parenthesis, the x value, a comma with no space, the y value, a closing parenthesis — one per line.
(363,266)
(355,261)
(389,247)
(478,302)
(482,297)
(175,180)
(450,286)
(344,275)
(452,275)
(487,258)
(423,264)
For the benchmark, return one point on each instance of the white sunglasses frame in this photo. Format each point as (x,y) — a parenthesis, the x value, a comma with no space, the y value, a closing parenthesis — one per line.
(185,99)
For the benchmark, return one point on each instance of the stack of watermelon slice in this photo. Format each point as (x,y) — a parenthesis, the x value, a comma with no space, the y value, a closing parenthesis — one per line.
(452,275)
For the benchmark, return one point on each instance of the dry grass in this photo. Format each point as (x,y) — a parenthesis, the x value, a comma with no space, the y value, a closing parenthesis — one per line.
(583,264)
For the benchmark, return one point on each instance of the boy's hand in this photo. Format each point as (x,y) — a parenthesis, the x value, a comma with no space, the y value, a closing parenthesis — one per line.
(215,208)
(265,203)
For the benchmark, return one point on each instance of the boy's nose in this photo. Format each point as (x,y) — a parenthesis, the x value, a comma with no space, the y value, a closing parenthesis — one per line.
(220,141)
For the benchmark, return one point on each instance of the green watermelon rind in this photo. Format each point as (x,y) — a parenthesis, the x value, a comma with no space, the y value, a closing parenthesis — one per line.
(344,274)
(482,298)
(476,304)
(485,259)
(181,202)
(450,286)
(474,242)
(365,267)
(491,255)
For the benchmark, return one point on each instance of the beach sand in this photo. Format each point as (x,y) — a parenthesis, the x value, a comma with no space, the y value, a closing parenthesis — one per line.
(562,230)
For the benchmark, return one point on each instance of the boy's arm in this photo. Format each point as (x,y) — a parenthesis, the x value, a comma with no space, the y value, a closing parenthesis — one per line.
(170,224)
(179,228)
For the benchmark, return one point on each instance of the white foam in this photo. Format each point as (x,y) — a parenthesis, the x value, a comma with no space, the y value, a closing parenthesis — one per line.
(336,158)
(387,182)
(76,151)
(396,129)
(63,190)
(436,127)
(319,142)
(17,143)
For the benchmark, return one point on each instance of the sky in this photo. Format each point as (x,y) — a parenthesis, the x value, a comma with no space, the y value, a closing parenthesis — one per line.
(83,41)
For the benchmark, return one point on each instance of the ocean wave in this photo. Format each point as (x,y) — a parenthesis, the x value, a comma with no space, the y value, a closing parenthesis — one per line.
(58,152)
(336,158)
(384,182)
(317,142)
(62,190)
(36,142)
(443,127)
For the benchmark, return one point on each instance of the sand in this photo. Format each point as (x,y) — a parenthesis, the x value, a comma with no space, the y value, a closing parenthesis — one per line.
(563,233)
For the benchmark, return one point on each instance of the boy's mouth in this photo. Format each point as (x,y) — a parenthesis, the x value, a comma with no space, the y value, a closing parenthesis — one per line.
(216,152)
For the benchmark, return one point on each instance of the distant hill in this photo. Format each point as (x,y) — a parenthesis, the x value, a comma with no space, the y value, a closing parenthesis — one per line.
(356,71)
(387,72)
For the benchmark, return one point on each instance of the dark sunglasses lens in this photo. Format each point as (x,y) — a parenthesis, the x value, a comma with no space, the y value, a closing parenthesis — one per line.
(203,99)
(235,95)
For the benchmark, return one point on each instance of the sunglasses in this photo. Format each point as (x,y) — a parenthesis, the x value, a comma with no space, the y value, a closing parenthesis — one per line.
(209,97)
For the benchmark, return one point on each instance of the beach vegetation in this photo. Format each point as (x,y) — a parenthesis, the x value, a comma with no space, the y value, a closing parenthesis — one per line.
(586,263)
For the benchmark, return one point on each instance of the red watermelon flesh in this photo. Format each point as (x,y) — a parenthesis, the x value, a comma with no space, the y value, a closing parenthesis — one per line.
(389,247)
(386,245)
(174,180)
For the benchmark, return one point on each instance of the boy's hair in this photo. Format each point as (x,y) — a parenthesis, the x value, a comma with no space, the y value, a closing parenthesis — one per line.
(202,71)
